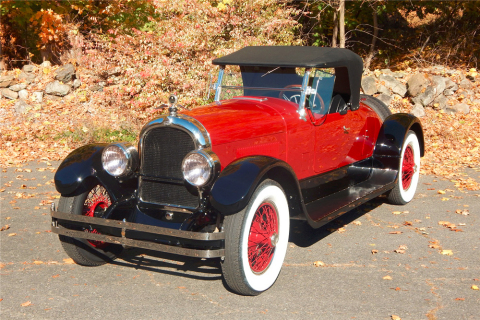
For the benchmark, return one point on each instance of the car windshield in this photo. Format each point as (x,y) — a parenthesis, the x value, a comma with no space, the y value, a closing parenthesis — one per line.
(276,82)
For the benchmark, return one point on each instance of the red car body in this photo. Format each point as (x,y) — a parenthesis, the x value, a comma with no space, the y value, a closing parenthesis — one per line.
(223,180)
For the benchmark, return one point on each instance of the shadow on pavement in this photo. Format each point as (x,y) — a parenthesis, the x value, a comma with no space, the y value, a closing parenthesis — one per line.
(302,235)
(193,268)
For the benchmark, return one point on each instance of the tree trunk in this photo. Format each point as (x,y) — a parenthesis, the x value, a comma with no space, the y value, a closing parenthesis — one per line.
(342,23)
(335,29)
(371,54)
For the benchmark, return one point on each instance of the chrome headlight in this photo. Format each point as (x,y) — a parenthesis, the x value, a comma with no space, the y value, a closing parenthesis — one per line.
(199,167)
(120,159)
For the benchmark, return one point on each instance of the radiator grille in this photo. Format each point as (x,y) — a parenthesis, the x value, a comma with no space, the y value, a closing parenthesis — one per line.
(167,194)
(163,151)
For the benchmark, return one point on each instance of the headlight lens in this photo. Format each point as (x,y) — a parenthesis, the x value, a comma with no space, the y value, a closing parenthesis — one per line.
(197,168)
(118,159)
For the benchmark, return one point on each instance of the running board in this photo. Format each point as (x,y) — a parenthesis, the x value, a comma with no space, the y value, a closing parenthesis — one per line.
(323,210)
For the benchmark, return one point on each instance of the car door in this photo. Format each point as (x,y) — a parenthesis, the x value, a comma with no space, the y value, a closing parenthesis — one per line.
(336,141)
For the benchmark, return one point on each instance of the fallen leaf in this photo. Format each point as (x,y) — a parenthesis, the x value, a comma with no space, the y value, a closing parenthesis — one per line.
(357,223)
(26,304)
(447,252)
(460,299)
(474,287)
(445,199)
(319,264)
(12,234)
(394,317)
(374,251)
(387,278)
(396,212)
(441,192)
(341,230)
(68,261)
(395,232)
(407,223)
(38,262)
(6,227)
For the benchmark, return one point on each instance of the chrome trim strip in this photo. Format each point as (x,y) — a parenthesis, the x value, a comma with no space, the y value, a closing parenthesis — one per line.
(218,85)
(301,105)
(248,98)
(183,122)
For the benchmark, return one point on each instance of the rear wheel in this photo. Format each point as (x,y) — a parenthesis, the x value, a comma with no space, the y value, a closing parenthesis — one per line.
(92,203)
(409,171)
(376,105)
(256,240)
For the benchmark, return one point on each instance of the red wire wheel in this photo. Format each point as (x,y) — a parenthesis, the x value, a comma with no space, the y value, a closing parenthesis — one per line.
(95,204)
(408,167)
(263,237)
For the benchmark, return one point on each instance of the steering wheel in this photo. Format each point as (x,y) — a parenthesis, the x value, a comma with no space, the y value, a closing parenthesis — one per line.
(293,98)
(296,97)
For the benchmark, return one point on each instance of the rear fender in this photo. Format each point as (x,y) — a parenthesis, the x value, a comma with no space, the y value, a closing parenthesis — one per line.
(388,148)
(237,182)
(82,169)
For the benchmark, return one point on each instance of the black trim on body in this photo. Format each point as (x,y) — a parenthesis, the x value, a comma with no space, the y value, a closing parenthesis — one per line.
(82,169)
(237,182)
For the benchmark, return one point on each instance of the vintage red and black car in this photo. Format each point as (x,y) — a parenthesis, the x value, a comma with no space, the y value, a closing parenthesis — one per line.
(288,136)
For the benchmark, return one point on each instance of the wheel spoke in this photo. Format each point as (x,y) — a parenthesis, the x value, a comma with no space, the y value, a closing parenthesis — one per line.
(262,232)
(408,167)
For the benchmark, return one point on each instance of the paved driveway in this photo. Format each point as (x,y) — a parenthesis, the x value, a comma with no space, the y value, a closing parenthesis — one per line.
(378,261)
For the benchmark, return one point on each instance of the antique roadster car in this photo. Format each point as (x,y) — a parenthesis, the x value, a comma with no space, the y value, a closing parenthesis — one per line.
(288,136)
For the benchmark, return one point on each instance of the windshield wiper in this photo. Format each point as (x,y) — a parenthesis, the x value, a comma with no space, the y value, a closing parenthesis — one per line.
(270,72)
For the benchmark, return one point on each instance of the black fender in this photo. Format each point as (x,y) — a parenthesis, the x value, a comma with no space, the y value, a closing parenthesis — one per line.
(82,169)
(237,182)
(388,148)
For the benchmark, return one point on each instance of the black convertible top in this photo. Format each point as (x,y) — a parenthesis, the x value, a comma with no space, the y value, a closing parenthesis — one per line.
(348,65)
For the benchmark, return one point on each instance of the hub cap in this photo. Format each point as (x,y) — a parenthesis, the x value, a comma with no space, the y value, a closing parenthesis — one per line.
(408,167)
(263,237)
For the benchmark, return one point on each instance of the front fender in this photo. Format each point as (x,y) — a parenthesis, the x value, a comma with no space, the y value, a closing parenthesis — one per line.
(81,170)
(237,182)
(388,148)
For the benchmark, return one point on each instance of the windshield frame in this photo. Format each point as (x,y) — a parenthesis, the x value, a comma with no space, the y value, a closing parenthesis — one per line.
(304,90)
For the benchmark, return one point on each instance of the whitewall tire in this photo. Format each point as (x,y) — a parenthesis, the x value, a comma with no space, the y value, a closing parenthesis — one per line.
(409,171)
(256,241)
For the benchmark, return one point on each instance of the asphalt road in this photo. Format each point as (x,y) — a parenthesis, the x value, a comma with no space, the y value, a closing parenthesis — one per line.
(378,261)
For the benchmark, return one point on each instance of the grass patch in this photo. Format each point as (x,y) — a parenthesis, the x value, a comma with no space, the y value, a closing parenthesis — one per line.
(97,135)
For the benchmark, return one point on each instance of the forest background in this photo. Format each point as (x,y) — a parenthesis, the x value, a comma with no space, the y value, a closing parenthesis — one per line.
(144,50)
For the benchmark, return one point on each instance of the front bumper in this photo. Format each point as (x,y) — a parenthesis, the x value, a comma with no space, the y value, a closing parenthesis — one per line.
(206,244)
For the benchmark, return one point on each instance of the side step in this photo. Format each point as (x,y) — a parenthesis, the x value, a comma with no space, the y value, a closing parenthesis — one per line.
(323,210)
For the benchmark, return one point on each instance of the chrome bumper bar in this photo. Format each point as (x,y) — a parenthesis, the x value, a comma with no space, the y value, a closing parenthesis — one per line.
(123,227)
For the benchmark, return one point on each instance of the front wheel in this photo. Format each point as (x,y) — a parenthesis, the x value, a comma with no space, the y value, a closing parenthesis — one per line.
(409,171)
(256,241)
(91,203)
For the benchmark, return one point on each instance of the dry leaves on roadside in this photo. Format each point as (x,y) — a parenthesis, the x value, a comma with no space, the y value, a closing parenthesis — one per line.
(447,252)
(464,212)
(5,227)
(319,264)
(401,249)
(26,304)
